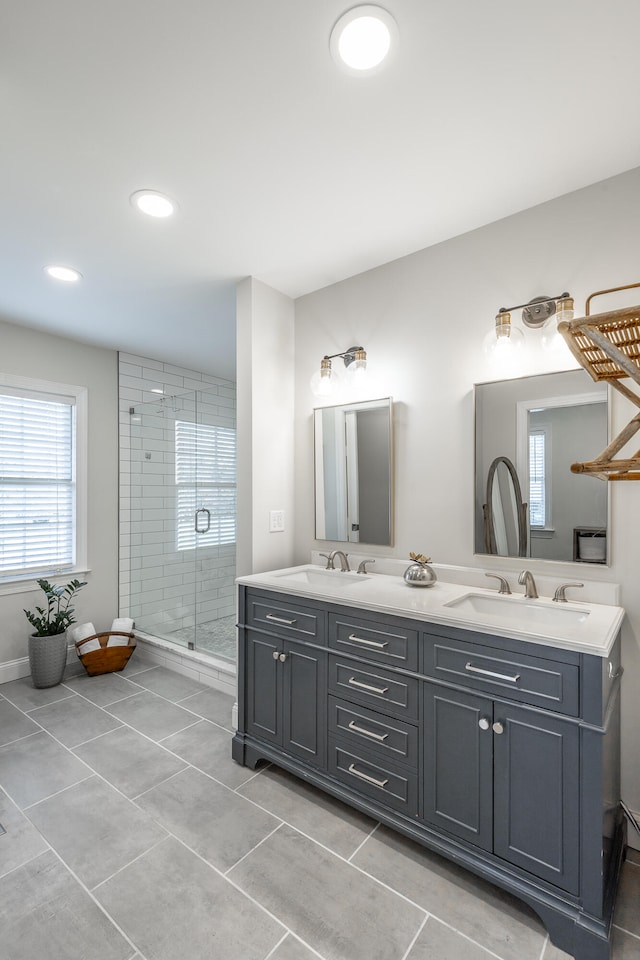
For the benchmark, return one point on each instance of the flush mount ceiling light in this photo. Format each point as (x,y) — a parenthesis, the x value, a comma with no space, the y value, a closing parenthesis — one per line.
(363,38)
(66,274)
(152,203)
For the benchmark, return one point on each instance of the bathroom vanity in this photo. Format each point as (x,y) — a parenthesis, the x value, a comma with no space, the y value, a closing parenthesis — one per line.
(489,739)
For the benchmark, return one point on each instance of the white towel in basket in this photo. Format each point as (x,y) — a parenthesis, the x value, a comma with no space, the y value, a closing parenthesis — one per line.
(81,631)
(121,625)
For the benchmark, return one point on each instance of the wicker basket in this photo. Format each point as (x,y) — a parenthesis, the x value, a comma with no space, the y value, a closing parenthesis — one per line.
(106,659)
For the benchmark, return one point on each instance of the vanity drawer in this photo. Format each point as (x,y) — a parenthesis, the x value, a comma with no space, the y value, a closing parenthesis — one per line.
(380,781)
(285,618)
(375,641)
(384,736)
(527,679)
(379,688)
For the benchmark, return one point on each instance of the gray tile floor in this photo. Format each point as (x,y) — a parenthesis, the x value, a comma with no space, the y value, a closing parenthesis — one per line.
(132,835)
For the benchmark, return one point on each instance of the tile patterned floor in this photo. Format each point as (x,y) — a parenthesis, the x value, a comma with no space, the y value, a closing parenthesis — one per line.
(217,637)
(132,835)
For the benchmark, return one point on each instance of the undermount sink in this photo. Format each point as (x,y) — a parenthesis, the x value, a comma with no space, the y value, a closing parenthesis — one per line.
(519,610)
(332,579)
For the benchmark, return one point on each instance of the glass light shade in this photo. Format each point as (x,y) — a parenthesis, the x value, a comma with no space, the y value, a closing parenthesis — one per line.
(564,309)
(325,381)
(358,365)
(504,340)
(552,340)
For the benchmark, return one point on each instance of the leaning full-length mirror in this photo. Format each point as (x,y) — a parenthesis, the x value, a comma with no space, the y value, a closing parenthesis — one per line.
(353,472)
(540,425)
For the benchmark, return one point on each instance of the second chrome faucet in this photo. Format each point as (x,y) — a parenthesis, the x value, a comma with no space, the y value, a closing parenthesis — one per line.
(530,590)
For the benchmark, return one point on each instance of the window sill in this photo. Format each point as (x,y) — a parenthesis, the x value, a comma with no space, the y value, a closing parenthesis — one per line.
(28,584)
(542,533)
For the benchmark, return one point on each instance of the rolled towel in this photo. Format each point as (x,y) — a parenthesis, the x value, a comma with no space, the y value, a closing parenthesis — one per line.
(80,632)
(122,625)
(118,640)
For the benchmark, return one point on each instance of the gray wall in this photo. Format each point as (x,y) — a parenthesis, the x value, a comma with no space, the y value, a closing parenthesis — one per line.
(422,320)
(29,353)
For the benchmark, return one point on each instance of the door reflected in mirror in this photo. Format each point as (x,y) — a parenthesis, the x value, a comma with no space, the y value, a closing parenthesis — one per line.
(353,472)
(541,425)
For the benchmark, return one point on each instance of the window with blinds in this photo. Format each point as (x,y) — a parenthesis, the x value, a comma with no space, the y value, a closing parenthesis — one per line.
(37,483)
(538,500)
(205,482)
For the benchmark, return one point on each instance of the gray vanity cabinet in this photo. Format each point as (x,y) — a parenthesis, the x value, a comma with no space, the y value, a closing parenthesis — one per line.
(286,679)
(498,753)
(506,779)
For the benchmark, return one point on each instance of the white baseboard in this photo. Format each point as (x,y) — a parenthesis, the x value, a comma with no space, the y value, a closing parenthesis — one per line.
(14,670)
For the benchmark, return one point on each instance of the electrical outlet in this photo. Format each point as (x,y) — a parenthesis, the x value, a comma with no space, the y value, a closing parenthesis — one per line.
(276,521)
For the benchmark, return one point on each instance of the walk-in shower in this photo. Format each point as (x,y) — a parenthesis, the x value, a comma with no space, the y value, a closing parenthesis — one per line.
(182,506)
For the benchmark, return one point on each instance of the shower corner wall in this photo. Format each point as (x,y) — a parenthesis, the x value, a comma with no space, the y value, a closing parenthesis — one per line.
(177,585)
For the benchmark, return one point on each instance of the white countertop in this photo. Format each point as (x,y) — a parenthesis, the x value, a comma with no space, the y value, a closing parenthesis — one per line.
(594,632)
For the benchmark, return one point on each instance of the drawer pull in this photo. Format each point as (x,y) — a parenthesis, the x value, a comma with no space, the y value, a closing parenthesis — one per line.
(367,733)
(489,673)
(365,776)
(271,616)
(365,686)
(368,643)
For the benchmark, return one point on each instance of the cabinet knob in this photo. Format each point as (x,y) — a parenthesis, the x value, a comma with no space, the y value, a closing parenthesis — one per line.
(275,654)
(282,657)
(483,723)
(498,727)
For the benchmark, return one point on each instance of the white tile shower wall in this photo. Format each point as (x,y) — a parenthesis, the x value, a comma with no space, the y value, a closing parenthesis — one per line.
(166,589)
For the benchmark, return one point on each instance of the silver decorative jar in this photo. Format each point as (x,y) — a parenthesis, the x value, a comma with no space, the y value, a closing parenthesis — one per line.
(420,574)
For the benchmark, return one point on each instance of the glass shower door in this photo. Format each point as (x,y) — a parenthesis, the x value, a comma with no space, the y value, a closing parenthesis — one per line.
(214,456)
(182,531)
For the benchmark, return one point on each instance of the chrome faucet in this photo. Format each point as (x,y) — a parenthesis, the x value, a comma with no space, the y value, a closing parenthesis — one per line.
(330,558)
(526,578)
(344,563)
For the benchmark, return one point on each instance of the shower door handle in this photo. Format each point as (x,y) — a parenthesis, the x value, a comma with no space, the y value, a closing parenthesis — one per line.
(199,529)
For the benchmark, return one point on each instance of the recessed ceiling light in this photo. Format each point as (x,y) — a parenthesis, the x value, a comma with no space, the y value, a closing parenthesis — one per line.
(152,203)
(156,390)
(363,38)
(67,274)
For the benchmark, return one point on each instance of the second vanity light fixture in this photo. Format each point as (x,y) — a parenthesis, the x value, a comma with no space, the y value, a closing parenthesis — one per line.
(536,314)
(325,381)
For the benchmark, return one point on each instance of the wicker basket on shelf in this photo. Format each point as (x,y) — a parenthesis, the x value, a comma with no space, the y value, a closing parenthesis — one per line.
(106,659)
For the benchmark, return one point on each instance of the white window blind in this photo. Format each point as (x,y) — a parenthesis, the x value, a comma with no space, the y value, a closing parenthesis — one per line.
(206,481)
(537,479)
(37,483)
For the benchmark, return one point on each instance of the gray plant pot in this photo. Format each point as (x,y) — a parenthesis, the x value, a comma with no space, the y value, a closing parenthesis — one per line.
(47,659)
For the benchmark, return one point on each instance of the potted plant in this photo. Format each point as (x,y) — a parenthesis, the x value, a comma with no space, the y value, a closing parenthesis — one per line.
(48,643)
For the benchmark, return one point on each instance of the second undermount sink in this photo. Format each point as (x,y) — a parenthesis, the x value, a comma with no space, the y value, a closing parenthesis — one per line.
(519,610)
(316,576)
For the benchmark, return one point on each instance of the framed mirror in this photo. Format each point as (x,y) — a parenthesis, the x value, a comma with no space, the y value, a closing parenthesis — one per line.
(541,425)
(354,472)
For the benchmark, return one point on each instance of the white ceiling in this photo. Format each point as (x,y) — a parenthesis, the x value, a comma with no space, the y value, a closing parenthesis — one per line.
(285,168)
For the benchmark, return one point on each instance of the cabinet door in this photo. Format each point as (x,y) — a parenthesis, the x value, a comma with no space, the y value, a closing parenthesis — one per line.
(264,687)
(458,776)
(305,703)
(537,802)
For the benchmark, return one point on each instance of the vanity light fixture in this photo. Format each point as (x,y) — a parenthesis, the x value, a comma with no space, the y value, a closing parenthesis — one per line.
(536,314)
(363,38)
(325,380)
(152,203)
(66,274)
